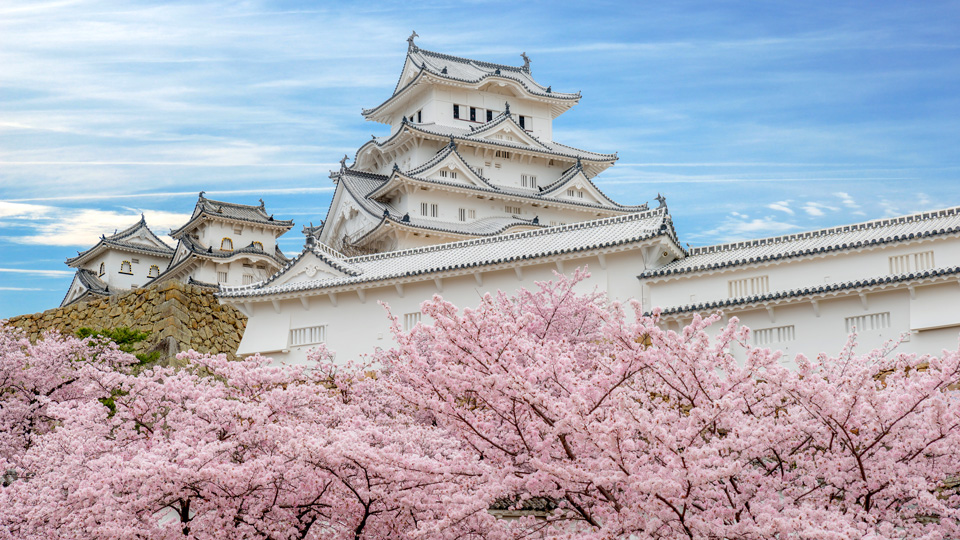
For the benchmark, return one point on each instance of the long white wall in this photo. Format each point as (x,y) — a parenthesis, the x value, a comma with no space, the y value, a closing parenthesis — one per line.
(356,326)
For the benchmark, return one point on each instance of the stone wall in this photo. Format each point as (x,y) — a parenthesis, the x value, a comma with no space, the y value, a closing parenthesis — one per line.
(177,316)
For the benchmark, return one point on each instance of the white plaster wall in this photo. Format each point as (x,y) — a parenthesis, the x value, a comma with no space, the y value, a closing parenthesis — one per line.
(798,273)
(212,233)
(114,258)
(356,326)
(444,99)
(827,332)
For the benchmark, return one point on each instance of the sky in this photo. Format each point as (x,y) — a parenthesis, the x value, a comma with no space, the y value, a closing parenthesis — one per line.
(752,118)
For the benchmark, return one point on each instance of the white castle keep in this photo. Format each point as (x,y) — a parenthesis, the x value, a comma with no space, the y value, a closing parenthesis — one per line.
(470,194)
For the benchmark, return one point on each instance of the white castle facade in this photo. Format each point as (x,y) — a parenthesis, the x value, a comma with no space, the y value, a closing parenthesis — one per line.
(469,194)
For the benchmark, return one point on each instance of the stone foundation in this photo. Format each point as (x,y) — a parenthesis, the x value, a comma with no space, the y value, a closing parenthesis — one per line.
(177,316)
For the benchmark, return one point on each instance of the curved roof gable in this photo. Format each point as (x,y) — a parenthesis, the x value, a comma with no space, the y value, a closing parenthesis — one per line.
(137,238)
(221,210)
(420,63)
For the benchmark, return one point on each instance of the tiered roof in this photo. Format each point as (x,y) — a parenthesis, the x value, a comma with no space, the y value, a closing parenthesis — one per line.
(421,65)
(233,212)
(596,162)
(138,238)
(811,243)
(189,250)
(472,255)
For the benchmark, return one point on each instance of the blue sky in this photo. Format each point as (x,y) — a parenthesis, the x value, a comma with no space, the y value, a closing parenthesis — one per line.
(752,118)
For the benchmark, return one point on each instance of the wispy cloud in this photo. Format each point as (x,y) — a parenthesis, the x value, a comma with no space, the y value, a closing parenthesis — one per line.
(62,226)
(40,273)
(782,206)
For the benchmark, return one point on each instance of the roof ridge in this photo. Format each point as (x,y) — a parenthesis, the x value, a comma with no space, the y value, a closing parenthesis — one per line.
(504,237)
(484,63)
(882,222)
(814,289)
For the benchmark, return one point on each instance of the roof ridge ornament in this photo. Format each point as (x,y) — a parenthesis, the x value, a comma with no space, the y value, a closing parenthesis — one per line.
(263,206)
(411,46)
(201,194)
(452,143)
(526,61)
(343,162)
(444,70)
(662,200)
(506,107)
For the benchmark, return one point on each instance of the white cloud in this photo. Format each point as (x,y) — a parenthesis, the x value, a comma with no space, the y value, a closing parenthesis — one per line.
(53,226)
(846,199)
(782,206)
(24,289)
(41,273)
(738,226)
(818,209)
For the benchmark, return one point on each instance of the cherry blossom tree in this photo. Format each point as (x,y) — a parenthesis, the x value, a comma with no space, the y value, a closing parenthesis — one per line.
(572,416)
(238,449)
(33,377)
(634,431)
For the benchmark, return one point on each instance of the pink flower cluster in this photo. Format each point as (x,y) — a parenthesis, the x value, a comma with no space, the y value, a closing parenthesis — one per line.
(548,414)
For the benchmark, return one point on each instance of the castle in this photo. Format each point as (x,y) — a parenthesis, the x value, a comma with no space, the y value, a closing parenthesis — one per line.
(469,194)
(221,244)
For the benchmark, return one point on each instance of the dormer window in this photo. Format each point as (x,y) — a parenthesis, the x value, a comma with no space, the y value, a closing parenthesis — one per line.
(226,244)
(126,268)
(258,245)
(103,269)
(154,271)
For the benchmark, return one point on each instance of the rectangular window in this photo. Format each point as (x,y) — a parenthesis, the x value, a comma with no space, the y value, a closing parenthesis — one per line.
(867,323)
(410,320)
(420,116)
(528,180)
(511,209)
(489,115)
(523,122)
(308,335)
(444,174)
(497,165)
(221,277)
(247,279)
(456,111)
(911,262)
(473,114)
(777,334)
(434,210)
(748,286)
(462,213)
(135,261)
(502,154)
(480,171)
(424,209)
(569,193)
(472,214)
(237,230)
